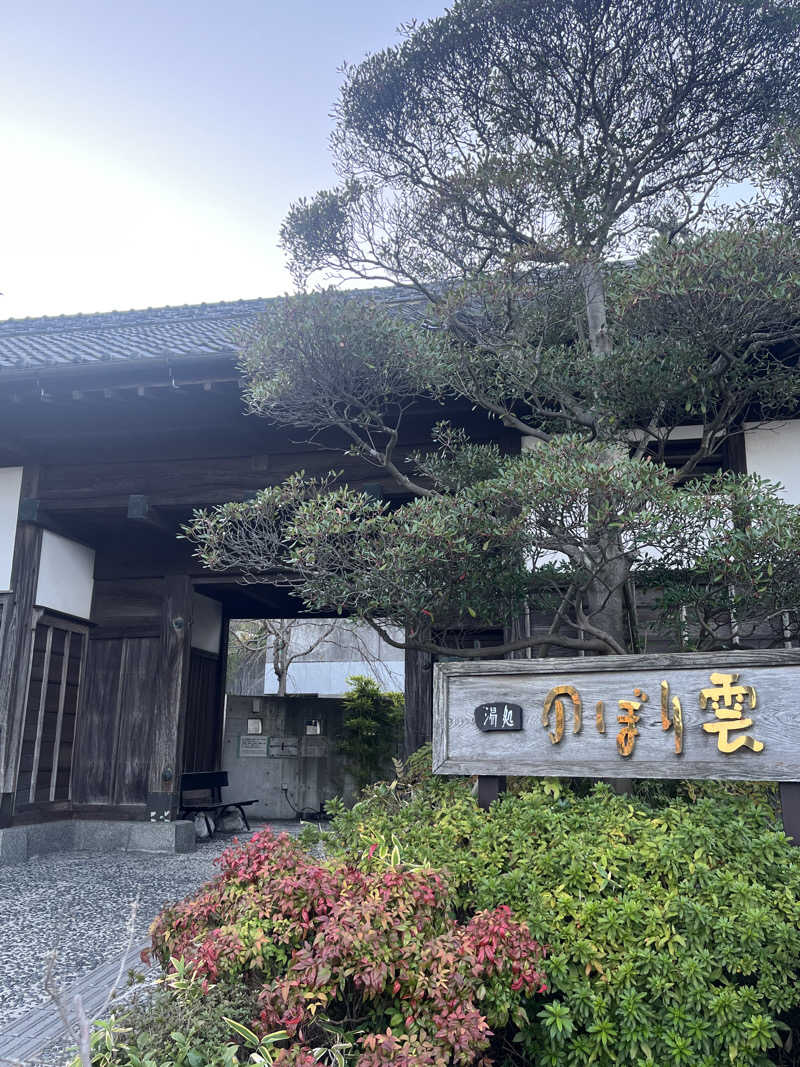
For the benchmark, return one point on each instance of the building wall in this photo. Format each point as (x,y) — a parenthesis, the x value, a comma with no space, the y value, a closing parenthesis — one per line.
(10,486)
(288,767)
(773,451)
(66,576)
(350,648)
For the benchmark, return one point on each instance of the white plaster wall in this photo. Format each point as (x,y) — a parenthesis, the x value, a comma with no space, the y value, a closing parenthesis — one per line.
(66,576)
(10,488)
(206,623)
(773,451)
(330,678)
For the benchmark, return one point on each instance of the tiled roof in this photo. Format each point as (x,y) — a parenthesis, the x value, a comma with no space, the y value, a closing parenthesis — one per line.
(192,330)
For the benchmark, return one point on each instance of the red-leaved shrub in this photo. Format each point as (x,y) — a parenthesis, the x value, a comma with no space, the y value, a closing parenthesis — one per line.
(375,956)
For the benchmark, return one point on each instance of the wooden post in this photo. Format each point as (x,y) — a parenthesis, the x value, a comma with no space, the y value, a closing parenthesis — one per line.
(790,809)
(222,687)
(164,772)
(419,700)
(490,786)
(15,651)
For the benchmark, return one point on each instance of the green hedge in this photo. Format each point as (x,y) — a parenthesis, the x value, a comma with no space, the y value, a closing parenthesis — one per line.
(673,928)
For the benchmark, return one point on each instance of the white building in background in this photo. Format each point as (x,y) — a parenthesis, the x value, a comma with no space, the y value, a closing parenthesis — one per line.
(346,649)
(772,449)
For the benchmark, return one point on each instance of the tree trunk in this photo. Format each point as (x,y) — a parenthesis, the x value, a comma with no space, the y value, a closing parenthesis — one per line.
(280,660)
(595,297)
(606,595)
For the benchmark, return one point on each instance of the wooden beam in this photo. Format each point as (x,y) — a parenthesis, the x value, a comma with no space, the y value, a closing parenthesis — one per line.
(140,510)
(31,510)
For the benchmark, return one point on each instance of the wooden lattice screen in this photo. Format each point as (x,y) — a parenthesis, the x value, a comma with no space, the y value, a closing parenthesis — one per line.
(50,713)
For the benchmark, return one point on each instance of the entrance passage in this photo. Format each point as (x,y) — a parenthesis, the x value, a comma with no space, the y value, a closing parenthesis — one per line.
(50,713)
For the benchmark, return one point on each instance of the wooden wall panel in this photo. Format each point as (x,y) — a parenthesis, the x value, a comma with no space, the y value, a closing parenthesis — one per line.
(136,712)
(15,650)
(92,771)
(125,607)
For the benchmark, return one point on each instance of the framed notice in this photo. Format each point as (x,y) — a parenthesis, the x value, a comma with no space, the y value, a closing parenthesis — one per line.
(723,715)
(252,745)
(284,747)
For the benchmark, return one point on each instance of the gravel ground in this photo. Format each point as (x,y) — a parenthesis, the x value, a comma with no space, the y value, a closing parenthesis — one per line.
(77,904)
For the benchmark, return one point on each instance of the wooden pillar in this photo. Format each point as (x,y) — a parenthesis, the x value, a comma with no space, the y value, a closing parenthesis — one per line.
(15,650)
(223,684)
(163,782)
(790,810)
(419,700)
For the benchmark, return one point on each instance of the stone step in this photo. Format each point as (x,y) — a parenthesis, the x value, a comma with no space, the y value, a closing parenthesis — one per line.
(23,1039)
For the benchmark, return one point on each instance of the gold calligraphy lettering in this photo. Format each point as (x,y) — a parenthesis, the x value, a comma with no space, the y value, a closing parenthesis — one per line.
(677,716)
(727,701)
(626,738)
(600,717)
(553,697)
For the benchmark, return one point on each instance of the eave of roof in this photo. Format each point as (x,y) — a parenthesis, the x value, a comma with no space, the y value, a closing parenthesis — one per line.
(129,337)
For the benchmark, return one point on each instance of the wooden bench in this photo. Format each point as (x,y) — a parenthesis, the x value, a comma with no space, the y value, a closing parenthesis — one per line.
(210,782)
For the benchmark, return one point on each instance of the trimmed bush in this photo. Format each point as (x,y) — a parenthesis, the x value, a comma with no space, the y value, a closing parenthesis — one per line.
(673,928)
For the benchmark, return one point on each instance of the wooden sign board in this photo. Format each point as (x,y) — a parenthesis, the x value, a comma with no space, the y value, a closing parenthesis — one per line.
(726,715)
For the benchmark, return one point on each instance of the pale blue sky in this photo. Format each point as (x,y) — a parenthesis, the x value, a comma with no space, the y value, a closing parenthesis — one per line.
(151,150)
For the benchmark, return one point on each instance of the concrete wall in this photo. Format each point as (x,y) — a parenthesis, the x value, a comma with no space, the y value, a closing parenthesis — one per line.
(283,755)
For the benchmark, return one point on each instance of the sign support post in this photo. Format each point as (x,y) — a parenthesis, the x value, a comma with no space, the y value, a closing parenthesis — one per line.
(490,786)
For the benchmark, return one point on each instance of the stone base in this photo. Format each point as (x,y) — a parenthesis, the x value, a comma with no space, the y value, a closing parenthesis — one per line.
(19,843)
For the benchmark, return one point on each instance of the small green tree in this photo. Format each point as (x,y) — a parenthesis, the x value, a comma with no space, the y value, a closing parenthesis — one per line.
(370,729)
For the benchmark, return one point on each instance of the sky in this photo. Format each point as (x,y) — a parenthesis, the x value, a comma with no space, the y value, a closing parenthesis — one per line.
(151,149)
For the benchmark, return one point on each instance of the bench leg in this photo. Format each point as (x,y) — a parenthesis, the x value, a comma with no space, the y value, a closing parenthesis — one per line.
(244,817)
(209,826)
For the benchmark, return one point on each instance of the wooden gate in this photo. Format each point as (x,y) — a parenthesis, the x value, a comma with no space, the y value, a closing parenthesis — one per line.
(54,680)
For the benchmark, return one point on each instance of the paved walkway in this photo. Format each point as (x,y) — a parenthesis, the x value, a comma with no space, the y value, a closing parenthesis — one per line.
(76,904)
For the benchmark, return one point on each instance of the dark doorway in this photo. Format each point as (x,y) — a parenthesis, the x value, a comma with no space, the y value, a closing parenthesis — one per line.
(203,731)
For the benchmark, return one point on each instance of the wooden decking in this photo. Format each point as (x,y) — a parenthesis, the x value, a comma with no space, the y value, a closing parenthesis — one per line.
(22,1041)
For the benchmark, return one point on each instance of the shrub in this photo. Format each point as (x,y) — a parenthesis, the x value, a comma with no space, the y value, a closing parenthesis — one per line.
(162,1029)
(371,727)
(672,929)
(374,956)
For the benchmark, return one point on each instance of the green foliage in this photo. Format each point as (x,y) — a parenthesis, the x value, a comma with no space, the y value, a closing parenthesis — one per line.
(447,563)
(177,1028)
(543,131)
(515,149)
(673,927)
(370,728)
